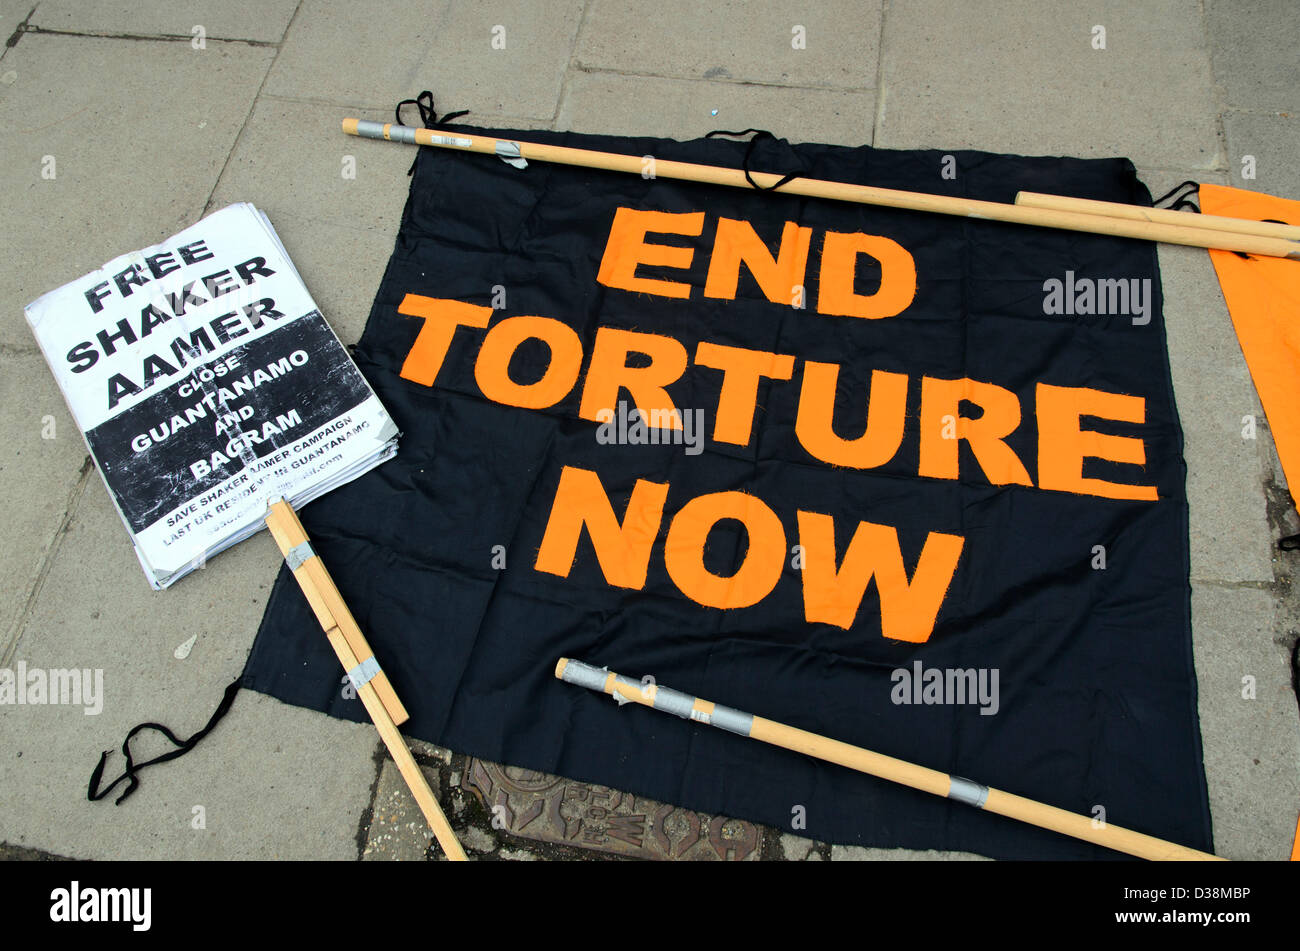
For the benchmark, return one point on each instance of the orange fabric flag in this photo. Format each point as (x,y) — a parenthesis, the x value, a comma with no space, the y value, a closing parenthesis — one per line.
(1263,296)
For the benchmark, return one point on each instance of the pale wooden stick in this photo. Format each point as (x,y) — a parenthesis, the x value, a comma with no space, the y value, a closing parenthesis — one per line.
(876,764)
(332,612)
(1114,209)
(840,191)
(328,604)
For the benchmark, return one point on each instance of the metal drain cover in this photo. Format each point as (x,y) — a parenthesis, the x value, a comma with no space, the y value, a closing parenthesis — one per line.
(561,811)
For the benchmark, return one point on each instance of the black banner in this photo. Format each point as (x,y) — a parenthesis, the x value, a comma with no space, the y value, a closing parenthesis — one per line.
(908,481)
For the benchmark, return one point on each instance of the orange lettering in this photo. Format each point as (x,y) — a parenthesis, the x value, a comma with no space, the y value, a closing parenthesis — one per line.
(943,429)
(627,247)
(908,610)
(622,550)
(886,416)
(492,369)
(778,277)
(441,318)
(835,294)
(609,373)
(1063,444)
(758,572)
(741,371)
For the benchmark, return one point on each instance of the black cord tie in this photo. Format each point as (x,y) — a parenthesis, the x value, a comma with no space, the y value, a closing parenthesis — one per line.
(1183,200)
(428,116)
(94,793)
(759,135)
(1295,670)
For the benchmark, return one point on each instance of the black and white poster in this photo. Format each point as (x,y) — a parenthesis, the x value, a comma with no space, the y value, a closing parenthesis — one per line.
(208,384)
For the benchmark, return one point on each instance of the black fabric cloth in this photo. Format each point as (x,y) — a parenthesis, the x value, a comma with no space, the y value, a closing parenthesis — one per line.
(1098,707)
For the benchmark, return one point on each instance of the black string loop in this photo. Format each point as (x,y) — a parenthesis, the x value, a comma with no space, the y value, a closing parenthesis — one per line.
(94,793)
(759,135)
(1183,200)
(428,116)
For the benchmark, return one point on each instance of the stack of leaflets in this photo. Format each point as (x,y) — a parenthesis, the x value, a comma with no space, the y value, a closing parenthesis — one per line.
(207,385)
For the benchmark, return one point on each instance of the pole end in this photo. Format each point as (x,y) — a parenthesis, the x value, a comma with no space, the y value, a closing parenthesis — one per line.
(559,667)
(350,126)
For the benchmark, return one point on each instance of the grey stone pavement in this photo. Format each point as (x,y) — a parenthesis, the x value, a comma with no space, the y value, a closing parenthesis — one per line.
(158,112)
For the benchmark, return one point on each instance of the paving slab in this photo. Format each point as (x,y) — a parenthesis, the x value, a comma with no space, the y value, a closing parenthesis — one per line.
(293,158)
(134,133)
(317,249)
(272,781)
(1025,79)
(1252,744)
(409,46)
(1228,513)
(1254,44)
(12,13)
(429,751)
(397,830)
(387,52)
(220,19)
(12,853)
(521,75)
(683,109)
(796,848)
(41,464)
(1274,141)
(332,198)
(855,853)
(1284,519)
(831,44)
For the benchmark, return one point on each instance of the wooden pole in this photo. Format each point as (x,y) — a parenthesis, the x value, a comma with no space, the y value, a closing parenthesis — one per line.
(359,661)
(1114,209)
(327,604)
(512,149)
(875,764)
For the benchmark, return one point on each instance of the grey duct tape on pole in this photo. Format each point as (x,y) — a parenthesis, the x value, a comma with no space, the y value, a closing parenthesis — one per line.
(647,693)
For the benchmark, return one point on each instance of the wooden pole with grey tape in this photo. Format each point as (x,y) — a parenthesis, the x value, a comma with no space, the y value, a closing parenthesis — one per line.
(932,781)
(369,679)
(519,153)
